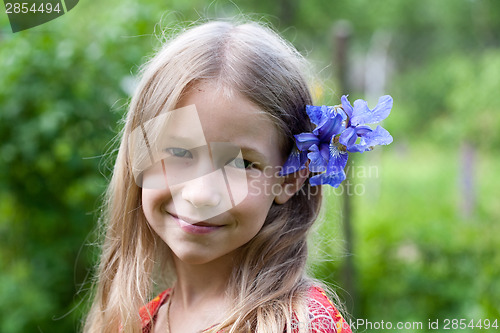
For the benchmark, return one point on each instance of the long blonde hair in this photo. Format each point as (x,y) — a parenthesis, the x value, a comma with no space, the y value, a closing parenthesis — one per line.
(269,284)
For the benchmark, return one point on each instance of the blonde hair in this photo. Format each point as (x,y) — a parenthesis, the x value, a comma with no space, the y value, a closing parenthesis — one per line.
(269,286)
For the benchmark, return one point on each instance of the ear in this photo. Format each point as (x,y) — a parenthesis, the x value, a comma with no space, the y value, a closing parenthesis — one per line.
(292,183)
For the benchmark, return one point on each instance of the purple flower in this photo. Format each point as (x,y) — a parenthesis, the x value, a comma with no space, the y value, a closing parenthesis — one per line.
(296,161)
(339,130)
(358,137)
(331,179)
(321,146)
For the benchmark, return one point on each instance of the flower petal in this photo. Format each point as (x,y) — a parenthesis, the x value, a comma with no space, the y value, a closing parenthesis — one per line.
(362,130)
(331,127)
(315,113)
(318,162)
(346,105)
(324,149)
(306,140)
(383,108)
(333,179)
(380,136)
(358,148)
(337,160)
(296,161)
(348,137)
(363,115)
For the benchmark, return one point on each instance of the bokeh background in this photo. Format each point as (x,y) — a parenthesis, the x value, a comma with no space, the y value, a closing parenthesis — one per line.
(417,239)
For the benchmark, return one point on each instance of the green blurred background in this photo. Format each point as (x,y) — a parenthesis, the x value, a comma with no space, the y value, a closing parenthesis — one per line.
(424,223)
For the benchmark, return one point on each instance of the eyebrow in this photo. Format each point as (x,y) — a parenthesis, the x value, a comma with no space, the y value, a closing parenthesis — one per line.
(182,139)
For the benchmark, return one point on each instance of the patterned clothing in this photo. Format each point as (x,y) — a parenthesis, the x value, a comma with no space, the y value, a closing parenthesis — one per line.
(324,317)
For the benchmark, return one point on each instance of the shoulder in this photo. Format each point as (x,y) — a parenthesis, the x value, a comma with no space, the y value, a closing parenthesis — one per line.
(324,316)
(149,311)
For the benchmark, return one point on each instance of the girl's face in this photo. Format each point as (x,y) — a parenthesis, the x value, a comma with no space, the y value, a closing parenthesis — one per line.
(221,174)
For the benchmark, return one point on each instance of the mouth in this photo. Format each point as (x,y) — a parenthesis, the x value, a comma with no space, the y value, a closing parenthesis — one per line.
(189,226)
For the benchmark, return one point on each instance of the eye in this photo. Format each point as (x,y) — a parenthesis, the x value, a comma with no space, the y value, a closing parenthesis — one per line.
(240,163)
(179,152)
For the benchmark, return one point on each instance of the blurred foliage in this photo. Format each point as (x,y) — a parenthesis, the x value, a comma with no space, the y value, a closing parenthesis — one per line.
(418,258)
(465,111)
(64,87)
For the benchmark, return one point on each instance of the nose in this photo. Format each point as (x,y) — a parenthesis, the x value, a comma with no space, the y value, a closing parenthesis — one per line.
(205,191)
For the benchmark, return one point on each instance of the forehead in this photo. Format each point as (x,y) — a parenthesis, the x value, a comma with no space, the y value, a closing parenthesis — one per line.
(230,118)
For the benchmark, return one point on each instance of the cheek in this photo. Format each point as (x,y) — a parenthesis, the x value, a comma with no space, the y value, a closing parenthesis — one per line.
(261,193)
(152,201)
(146,204)
(265,186)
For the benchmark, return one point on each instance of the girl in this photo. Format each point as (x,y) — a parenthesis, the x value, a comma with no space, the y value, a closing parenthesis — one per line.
(197,202)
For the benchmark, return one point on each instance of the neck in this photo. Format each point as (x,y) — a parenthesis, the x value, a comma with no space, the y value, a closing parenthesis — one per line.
(201,283)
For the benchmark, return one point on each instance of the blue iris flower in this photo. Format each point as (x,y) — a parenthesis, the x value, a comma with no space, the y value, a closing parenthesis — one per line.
(358,137)
(339,130)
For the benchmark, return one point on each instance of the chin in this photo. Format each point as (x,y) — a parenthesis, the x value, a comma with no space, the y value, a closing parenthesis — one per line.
(194,258)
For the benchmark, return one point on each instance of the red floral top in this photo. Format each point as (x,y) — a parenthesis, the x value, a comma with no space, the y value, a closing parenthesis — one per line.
(324,317)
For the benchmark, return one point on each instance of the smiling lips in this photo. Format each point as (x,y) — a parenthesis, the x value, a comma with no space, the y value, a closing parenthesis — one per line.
(196,228)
